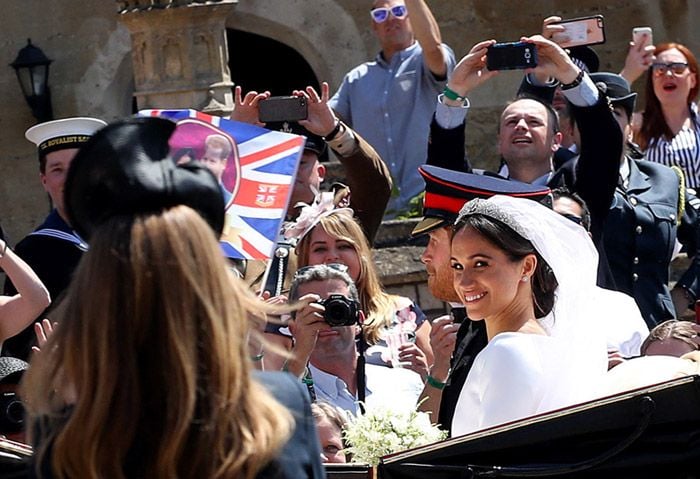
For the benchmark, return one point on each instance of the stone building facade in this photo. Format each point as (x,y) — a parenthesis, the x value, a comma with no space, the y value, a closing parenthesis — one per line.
(113,57)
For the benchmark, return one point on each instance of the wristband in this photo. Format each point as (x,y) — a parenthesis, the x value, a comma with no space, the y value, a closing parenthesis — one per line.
(435,383)
(452,95)
(577,81)
(334,132)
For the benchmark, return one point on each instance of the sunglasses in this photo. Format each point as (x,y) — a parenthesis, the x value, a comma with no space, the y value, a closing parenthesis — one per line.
(335,266)
(381,14)
(677,68)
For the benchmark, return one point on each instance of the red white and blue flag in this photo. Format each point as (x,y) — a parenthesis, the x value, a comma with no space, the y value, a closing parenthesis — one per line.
(257,181)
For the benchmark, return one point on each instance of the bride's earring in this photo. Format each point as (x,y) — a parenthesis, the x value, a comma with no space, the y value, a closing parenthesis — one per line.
(525,278)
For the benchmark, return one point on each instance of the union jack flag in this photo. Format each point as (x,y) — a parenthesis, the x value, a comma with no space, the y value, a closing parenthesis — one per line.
(256,182)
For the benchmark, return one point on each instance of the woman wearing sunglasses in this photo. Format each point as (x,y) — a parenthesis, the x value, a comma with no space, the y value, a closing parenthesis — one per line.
(328,235)
(670,130)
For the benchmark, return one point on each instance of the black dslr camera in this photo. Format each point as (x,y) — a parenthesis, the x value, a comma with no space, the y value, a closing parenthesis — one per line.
(11,413)
(340,310)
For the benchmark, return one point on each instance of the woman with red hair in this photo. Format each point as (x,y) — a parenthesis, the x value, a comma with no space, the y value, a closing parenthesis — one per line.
(670,129)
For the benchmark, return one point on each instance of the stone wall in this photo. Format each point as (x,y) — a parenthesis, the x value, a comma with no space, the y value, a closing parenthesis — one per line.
(92,71)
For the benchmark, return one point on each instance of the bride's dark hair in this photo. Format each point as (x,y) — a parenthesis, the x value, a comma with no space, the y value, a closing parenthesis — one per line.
(544,283)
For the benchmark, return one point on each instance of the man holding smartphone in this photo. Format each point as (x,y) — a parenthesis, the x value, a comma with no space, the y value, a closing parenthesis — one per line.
(390,101)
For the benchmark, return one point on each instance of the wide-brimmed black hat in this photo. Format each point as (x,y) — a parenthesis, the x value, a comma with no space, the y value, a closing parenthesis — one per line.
(125,169)
(446,191)
(617,89)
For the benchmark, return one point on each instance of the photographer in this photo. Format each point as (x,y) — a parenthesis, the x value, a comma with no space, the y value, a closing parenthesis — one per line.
(334,366)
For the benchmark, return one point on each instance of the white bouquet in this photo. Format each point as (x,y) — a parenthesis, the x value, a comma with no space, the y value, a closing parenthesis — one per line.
(382,431)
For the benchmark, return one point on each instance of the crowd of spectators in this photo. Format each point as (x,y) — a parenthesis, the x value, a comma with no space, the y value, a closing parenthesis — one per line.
(555,268)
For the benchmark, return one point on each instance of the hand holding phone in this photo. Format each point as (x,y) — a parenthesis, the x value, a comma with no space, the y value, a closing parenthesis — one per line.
(580,31)
(511,56)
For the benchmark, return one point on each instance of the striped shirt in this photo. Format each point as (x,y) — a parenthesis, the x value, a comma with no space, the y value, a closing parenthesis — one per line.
(683,150)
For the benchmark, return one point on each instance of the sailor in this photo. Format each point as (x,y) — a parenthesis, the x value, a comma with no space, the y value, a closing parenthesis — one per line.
(53,249)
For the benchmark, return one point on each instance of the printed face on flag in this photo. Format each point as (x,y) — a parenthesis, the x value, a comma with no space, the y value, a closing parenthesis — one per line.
(255,167)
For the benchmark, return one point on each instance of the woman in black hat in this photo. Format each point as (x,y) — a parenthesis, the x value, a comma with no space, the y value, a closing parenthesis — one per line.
(148,373)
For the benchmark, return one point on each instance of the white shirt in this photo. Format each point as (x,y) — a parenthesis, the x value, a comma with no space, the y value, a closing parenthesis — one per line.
(394,388)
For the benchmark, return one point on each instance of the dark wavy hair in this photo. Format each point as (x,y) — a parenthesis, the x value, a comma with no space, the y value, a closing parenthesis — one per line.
(544,283)
(653,122)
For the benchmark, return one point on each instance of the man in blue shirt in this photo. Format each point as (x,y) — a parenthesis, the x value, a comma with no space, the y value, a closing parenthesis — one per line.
(390,101)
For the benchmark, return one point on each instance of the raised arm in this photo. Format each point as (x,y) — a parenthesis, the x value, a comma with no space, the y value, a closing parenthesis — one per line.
(366,173)
(18,311)
(446,145)
(428,36)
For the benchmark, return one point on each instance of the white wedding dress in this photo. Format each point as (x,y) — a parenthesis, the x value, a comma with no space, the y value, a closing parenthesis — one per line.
(519,375)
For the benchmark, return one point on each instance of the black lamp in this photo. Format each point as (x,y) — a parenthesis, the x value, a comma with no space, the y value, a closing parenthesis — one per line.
(32,68)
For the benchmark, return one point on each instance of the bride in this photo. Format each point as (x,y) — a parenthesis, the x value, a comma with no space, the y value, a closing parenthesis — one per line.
(529,273)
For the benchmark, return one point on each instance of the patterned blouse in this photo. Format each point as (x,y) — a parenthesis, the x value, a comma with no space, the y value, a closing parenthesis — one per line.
(682,150)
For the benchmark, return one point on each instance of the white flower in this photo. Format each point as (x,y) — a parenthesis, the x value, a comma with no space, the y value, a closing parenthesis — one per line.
(382,431)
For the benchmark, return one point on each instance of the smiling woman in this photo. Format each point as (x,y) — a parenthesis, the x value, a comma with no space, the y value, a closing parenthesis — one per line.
(513,268)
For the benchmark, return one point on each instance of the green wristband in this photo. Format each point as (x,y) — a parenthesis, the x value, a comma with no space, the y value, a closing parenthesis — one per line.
(435,383)
(452,95)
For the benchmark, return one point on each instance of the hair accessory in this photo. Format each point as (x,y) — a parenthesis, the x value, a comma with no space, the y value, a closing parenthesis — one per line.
(492,210)
(310,215)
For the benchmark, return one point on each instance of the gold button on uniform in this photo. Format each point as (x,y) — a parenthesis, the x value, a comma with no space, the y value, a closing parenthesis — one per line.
(638,229)
(635,277)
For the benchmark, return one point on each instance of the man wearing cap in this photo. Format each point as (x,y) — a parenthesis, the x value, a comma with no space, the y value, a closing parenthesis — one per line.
(53,249)
(391,100)
(455,340)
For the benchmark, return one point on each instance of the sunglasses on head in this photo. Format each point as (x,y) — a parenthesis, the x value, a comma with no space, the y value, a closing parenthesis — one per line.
(677,68)
(381,14)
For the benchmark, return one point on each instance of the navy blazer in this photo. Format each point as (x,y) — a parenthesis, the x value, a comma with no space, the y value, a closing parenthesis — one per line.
(301,456)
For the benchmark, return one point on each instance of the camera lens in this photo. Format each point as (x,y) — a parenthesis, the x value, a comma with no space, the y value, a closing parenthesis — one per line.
(15,412)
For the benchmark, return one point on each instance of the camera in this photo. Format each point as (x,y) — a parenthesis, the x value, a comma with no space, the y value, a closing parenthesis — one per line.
(11,413)
(340,310)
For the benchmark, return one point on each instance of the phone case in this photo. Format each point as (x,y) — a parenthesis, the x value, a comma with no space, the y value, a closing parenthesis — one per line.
(511,56)
(282,108)
(581,31)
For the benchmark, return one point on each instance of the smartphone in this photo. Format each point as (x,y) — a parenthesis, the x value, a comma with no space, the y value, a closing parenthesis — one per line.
(282,108)
(637,36)
(511,56)
(581,31)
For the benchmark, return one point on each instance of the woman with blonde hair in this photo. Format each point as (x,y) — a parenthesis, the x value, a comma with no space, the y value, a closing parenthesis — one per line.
(148,372)
(328,235)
